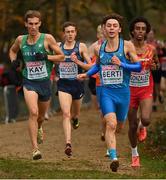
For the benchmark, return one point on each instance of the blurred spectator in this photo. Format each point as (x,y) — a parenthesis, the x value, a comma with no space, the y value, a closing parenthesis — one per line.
(162,58)
(156,73)
(11,82)
(9,76)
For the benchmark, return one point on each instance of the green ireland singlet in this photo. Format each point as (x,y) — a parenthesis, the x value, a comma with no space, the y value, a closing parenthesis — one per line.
(33,69)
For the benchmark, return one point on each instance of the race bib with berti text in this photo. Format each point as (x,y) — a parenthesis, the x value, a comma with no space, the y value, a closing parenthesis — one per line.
(111,74)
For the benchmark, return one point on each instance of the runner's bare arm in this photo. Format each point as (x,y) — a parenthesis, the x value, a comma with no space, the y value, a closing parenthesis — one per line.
(130,51)
(52,44)
(91,50)
(15,48)
(85,56)
(94,69)
(96,52)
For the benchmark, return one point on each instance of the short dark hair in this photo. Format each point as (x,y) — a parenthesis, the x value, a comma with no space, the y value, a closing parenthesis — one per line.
(139,19)
(118,17)
(32,14)
(68,23)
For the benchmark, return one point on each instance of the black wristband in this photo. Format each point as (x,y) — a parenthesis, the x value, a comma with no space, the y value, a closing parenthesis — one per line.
(40,56)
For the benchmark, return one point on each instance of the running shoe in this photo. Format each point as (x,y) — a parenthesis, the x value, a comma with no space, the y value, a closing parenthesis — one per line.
(40,135)
(135,162)
(114,165)
(142,134)
(68,150)
(75,123)
(36,154)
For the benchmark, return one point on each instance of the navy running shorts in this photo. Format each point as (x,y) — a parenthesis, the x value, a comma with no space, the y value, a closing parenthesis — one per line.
(73,87)
(42,88)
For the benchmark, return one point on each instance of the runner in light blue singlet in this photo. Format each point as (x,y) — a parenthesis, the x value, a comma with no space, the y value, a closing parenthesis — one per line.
(115,94)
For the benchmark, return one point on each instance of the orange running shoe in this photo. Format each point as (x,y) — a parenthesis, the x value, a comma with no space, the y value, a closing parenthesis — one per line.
(135,162)
(142,134)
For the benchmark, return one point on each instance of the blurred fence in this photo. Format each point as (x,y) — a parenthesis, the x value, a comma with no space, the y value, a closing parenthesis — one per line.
(18,106)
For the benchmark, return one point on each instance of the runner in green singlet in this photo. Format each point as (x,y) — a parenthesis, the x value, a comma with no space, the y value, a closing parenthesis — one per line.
(39,52)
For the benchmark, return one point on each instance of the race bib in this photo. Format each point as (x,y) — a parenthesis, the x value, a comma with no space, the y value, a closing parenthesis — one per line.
(68,70)
(140,79)
(111,74)
(36,70)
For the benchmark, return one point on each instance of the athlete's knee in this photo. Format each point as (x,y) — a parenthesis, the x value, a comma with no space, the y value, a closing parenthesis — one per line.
(66,115)
(111,125)
(34,113)
(145,121)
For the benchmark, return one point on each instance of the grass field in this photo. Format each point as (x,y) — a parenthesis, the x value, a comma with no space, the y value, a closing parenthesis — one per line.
(24,169)
(88,160)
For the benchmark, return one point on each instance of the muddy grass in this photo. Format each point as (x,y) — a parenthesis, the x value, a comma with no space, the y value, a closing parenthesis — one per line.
(88,150)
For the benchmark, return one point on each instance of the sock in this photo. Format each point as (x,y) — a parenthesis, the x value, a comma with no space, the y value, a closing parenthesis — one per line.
(112,154)
(134,151)
(141,125)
